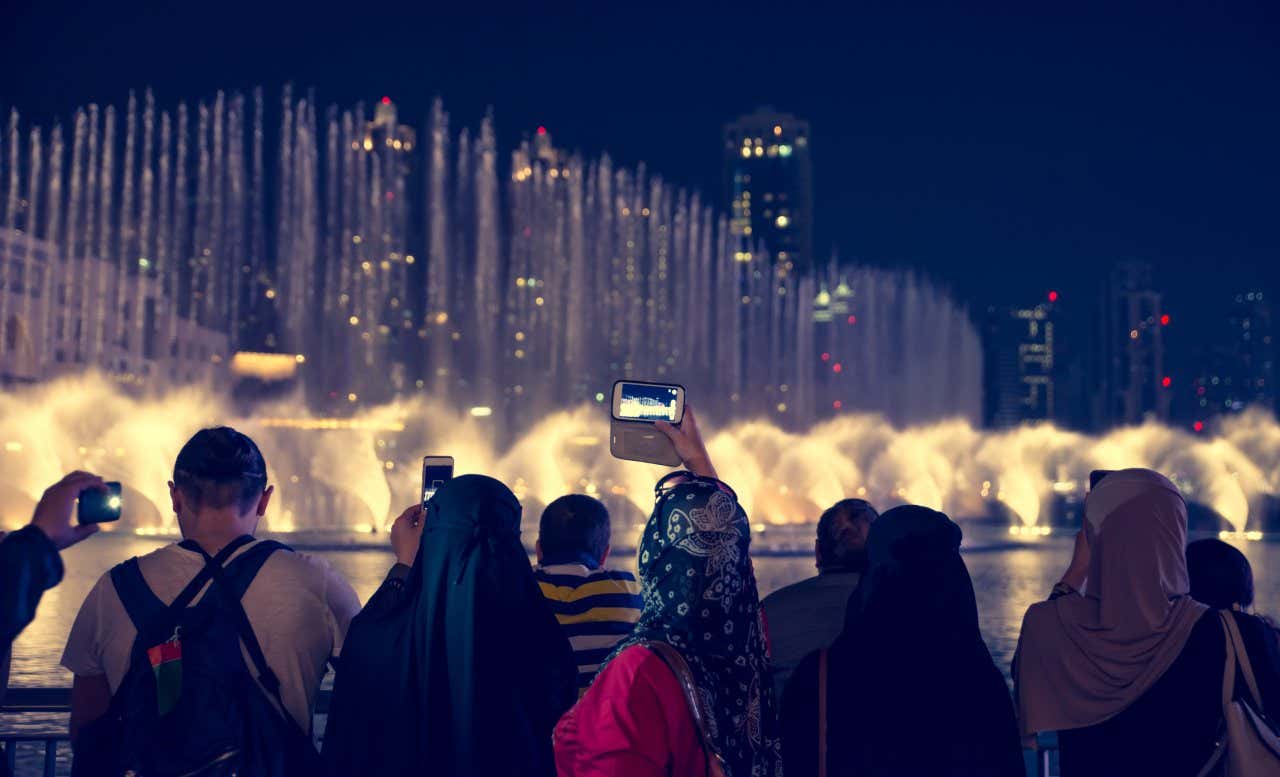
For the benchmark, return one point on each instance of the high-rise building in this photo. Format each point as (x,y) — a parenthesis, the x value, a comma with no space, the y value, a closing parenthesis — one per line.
(1240,371)
(1020,367)
(1131,378)
(768,188)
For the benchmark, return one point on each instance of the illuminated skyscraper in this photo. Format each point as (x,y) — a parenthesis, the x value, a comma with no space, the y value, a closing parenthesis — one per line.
(1020,367)
(768,185)
(1132,383)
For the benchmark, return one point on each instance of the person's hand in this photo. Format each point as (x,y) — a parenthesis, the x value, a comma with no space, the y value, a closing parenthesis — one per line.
(406,534)
(688,444)
(53,512)
(1078,570)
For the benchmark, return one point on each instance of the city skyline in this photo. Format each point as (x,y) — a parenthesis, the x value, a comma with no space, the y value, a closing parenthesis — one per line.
(1004,152)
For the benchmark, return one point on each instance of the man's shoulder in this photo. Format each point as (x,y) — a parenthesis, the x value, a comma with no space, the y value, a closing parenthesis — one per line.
(792,591)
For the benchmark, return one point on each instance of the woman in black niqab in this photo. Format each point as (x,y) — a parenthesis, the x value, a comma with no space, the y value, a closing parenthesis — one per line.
(911,686)
(461,669)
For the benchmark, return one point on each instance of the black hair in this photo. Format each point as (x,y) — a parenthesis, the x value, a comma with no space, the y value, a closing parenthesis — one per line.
(837,543)
(573,527)
(221,467)
(1220,574)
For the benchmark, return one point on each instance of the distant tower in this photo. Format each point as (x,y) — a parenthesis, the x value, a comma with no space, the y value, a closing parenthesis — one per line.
(1020,367)
(1132,383)
(768,187)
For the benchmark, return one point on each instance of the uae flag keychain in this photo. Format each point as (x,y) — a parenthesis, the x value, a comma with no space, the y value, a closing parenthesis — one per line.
(166,663)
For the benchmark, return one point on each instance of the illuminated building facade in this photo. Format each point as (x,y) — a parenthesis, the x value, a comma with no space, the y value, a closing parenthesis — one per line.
(1241,372)
(768,185)
(1019,364)
(1132,381)
(60,318)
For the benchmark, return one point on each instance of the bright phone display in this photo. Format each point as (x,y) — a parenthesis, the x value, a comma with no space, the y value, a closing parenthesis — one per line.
(436,470)
(648,402)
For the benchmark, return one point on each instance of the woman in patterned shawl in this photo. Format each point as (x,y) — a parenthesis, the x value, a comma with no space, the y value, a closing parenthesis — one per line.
(699,599)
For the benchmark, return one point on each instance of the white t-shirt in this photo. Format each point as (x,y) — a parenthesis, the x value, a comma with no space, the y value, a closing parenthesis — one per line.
(298,605)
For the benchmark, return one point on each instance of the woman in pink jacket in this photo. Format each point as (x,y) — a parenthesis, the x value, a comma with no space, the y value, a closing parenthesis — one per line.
(688,692)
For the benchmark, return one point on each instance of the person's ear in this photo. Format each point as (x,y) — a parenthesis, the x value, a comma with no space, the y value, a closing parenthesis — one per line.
(175,498)
(605,556)
(264,500)
(537,550)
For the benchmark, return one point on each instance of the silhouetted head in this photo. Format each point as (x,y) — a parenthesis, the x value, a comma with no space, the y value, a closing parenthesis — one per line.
(574,529)
(842,536)
(1220,575)
(219,471)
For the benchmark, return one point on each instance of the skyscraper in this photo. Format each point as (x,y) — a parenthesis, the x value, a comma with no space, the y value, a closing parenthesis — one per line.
(768,187)
(1020,369)
(1239,372)
(1131,379)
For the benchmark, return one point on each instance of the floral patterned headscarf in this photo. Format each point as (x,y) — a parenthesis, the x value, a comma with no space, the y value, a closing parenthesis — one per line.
(700,597)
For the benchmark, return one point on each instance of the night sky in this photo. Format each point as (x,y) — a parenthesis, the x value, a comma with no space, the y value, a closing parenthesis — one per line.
(1002,149)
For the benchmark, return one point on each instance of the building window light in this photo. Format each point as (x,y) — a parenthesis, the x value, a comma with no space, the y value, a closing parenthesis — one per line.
(782,222)
(746,151)
(784,150)
(759,150)
(777,129)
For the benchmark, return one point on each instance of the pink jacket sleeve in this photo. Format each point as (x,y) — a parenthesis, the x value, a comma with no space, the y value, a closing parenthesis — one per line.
(632,722)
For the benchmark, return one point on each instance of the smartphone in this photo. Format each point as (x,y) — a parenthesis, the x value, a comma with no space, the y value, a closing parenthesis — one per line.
(643,402)
(1096,477)
(436,470)
(100,506)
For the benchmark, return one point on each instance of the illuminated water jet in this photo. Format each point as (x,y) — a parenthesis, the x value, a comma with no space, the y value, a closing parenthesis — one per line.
(356,473)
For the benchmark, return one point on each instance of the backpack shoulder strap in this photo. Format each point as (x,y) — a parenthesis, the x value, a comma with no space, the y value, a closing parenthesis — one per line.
(230,585)
(139,601)
(241,571)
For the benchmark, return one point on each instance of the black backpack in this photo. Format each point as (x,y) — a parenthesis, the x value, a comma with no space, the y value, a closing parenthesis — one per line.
(220,723)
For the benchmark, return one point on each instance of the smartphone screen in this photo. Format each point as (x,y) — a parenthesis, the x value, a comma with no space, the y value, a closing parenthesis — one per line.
(638,401)
(436,470)
(100,506)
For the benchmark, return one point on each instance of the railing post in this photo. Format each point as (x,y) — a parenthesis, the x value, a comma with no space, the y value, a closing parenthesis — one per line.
(10,755)
(50,758)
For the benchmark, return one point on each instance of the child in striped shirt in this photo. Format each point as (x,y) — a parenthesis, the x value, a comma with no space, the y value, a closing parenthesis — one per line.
(595,606)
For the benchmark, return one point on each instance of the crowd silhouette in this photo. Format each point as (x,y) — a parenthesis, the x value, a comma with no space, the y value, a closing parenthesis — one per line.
(205,657)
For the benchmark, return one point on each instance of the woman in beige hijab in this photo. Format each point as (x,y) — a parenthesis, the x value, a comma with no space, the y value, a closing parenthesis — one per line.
(1121,661)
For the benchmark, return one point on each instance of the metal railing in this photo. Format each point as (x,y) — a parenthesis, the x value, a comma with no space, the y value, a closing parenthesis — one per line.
(21,701)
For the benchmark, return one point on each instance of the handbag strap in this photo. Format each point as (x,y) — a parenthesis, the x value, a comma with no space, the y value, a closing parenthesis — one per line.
(684,676)
(822,712)
(1229,668)
(1242,656)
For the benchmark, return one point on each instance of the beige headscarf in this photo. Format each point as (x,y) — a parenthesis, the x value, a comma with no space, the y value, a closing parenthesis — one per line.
(1084,659)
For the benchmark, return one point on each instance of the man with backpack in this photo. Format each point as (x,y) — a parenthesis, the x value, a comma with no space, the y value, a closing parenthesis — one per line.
(206,656)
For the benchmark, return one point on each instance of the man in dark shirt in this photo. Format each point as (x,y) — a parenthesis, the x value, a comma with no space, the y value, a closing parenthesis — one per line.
(809,615)
(30,564)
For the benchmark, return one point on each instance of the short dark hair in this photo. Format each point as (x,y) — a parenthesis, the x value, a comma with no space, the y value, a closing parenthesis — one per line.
(220,467)
(1220,574)
(574,526)
(835,538)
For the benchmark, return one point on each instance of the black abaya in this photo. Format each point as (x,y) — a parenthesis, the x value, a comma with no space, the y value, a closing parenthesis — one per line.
(459,669)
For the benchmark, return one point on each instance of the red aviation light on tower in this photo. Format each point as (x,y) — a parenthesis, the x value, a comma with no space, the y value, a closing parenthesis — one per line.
(386,100)
(542,130)
(1164,320)
(826,357)
(1053,296)
(837,404)
(852,320)
(1198,426)
(1167,381)
(836,368)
